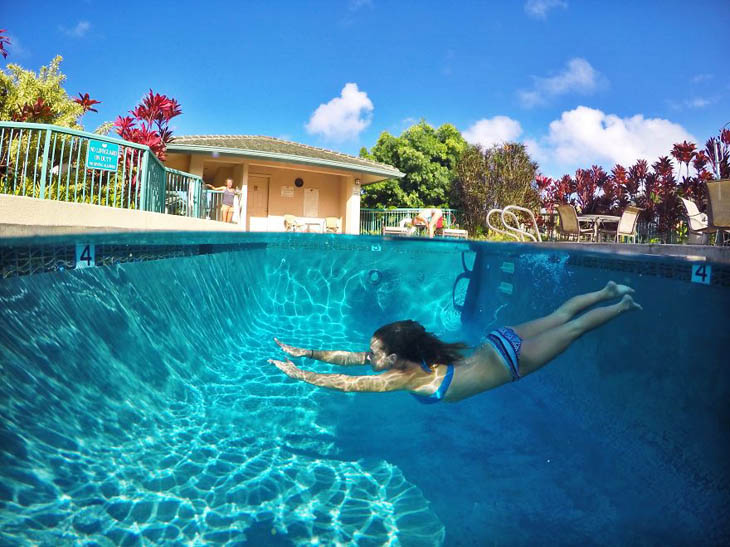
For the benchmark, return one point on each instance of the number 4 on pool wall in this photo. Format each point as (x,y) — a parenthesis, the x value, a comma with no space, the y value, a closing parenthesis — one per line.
(701,273)
(85,255)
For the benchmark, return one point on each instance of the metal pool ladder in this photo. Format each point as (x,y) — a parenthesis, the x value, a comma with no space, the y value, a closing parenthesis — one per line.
(516,230)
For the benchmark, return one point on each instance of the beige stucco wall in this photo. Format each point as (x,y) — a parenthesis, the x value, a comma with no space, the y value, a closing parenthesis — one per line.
(178,161)
(338,195)
(328,186)
(29,216)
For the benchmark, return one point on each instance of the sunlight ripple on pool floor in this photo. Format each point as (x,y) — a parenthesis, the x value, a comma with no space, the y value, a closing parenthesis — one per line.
(228,450)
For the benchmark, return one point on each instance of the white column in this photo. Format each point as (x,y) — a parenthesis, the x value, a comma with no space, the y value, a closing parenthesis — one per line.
(351,200)
(240,177)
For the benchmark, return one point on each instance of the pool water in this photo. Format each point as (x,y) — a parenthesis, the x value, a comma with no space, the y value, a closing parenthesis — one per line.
(137,405)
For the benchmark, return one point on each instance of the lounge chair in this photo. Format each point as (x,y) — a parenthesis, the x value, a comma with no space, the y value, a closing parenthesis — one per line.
(448,231)
(401,229)
(570,225)
(718,210)
(626,226)
(292,224)
(697,222)
(332,225)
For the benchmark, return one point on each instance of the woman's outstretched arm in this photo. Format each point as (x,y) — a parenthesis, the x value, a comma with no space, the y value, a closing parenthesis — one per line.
(335,357)
(388,381)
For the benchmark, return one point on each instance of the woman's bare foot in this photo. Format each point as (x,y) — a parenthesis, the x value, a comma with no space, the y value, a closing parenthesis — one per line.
(614,290)
(627,303)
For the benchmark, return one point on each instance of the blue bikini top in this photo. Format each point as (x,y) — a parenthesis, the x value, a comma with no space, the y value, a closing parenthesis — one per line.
(437,395)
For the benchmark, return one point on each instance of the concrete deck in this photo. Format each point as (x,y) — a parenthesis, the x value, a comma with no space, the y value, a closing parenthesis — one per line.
(25,217)
(29,217)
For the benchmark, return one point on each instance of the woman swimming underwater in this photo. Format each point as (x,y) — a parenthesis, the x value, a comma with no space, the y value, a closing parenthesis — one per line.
(411,359)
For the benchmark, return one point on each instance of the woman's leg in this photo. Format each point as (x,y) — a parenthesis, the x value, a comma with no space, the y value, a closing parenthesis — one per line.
(570,309)
(540,350)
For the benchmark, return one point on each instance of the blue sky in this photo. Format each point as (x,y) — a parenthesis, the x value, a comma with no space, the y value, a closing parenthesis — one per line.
(580,82)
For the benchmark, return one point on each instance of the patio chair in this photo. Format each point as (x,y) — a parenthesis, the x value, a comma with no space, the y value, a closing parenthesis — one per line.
(718,210)
(448,231)
(697,222)
(331,225)
(401,229)
(569,225)
(292,224)
(626,226)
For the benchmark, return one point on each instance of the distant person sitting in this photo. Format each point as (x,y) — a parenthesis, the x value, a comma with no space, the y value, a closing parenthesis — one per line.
(430,218)
(229,194)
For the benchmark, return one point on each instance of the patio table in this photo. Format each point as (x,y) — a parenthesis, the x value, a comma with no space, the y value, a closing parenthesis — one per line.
(314,226)
(596,220)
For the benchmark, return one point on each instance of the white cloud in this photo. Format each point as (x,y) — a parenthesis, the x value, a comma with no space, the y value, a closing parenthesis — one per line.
(699,78)
(539,8)
(79,31)
(490,131)
(584,136)
(698,102)
(578,76)
(344,117)
(355,5)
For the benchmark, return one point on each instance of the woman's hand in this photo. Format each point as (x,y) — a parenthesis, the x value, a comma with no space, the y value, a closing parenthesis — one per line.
(292,350)
(288,368)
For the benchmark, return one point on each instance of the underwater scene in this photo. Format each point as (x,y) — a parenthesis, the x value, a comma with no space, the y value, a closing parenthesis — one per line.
(138,407)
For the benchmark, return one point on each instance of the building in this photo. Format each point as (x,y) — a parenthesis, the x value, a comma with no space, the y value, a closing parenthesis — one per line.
(278,178)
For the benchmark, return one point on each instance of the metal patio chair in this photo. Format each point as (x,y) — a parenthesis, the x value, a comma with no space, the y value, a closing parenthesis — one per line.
(697,223)
(292,224)
(569,226)
(626,226)
(331,225)
(718,209)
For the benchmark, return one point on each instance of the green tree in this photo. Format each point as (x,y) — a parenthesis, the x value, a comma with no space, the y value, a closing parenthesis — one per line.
(496,177)
(27,96)
(427,156)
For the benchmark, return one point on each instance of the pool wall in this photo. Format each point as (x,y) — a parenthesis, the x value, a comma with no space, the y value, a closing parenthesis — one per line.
(137,403)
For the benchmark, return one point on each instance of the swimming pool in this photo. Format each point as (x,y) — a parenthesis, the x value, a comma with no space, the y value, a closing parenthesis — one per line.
(138,407)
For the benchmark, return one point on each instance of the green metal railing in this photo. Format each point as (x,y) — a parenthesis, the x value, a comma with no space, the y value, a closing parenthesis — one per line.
(373,220)
(50,162)
(185,194)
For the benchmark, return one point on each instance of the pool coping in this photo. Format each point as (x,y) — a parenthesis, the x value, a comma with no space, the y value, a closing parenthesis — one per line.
(695,253)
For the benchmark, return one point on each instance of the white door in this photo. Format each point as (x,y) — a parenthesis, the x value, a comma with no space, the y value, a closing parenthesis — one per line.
(258,203)
(311,202)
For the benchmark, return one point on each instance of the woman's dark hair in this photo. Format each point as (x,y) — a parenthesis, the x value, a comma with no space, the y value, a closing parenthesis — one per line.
(409,340)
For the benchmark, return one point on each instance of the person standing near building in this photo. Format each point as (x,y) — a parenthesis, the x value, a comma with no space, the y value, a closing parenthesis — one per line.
(229,194)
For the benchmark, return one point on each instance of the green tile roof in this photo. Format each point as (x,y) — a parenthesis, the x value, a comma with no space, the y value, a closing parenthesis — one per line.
(279,150)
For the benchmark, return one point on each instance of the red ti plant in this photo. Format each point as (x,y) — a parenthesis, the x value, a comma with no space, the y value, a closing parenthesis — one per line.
(665,196)
(718,153)
(683,153)
(588,182)
(544,187)
(149,123)
(690,187)
(616,189)
(4,41)
(700,163)
(87,102)
(38,112)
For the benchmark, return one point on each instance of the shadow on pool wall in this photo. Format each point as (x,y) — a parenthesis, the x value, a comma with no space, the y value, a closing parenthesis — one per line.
(137,403)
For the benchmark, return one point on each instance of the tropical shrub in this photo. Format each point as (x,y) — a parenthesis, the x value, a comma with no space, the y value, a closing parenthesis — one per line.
(29,97)
(427,156)
(149,123)
(657,190)
(494,177)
